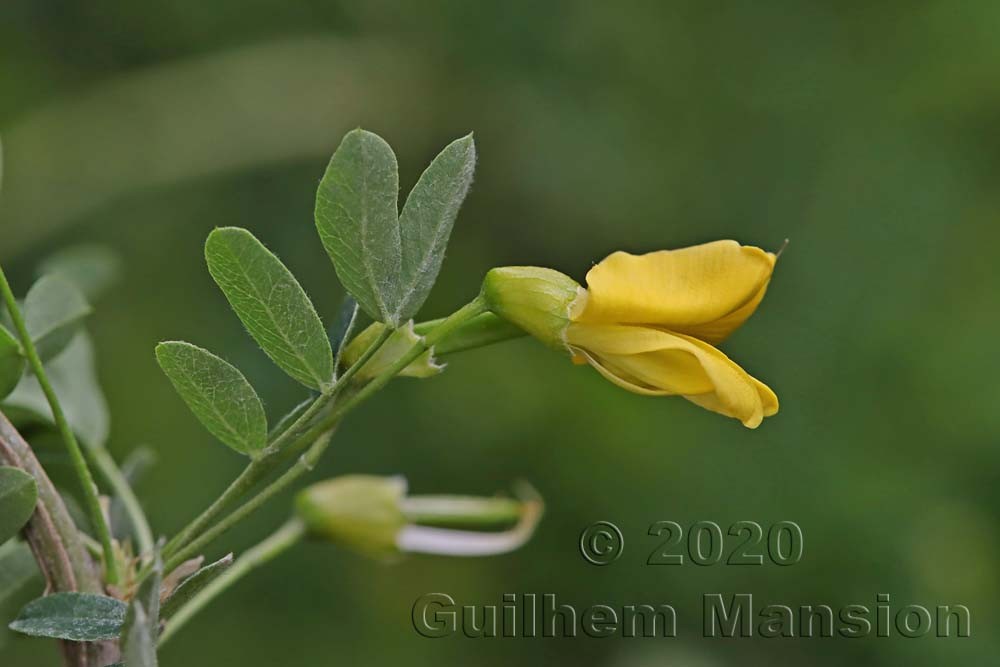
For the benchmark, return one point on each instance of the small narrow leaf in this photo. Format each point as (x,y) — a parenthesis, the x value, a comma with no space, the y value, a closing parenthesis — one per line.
(356,217)
(18,495)
(133,468)
(139,640)
(78,617)
(142,621)
(290,418)
(194,585)
(271,304)
(217,393)
(340,332)
(74,378)
(12,362)
(427,220)
(53,311)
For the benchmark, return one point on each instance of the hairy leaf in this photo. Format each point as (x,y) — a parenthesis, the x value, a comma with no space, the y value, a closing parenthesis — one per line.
(79,617)
(271,304)
(427,219)
(357,221)
(74,378)
(53,312)
(12,362)
(217,393)
(18,495)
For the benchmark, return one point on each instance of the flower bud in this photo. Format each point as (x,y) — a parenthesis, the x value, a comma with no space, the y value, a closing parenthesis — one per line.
(373,515)
(357,511)
(398,344)
(536,299)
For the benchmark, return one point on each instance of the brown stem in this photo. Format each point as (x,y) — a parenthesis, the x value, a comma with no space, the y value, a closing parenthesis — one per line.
(45,541)
(55,542)
(20,455)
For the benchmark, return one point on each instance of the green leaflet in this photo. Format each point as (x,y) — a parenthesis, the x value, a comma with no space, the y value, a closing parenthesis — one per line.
(12,362)
(427,220)
(18,495)
(218,395)
(386,261)
(74,379)
(78,617)
(53,312)
(357,221)
(271,304)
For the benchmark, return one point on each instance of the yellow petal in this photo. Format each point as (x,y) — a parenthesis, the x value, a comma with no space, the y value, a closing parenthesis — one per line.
(655,362)
(710,288)
(719,330)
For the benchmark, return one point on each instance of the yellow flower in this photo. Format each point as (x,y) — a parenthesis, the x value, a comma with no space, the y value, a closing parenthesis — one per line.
(650,323)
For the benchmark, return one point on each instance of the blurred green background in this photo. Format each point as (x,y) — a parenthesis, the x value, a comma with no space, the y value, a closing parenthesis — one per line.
(864,132)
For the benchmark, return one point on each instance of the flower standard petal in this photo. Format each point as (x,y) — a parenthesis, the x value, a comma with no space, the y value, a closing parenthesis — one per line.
(676,288)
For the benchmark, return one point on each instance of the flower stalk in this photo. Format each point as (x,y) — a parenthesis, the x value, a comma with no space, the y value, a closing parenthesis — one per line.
(264,552)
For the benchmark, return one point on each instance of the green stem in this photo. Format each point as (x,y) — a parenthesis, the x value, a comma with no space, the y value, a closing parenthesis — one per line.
(112,474)
(482,330)
(86,479)
(259,468)
(305,464)
(329,395)
(252,474)
(286,537)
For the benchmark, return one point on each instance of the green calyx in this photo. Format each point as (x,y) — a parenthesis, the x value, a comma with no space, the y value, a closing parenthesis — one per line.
(361,512)
(535,299)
